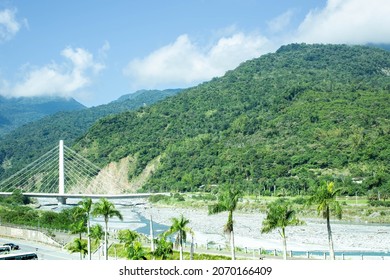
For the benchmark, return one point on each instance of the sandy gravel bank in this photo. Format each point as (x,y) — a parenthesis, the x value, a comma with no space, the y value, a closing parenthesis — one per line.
(311,236)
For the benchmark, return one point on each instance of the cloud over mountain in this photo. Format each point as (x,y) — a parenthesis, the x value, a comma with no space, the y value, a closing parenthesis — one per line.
(59,79)
(184,62)
(347,21)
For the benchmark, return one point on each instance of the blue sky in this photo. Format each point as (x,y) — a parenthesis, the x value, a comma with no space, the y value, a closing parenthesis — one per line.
(98,50)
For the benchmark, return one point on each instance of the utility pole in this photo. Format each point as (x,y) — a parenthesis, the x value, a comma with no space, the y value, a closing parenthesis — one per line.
(151,231)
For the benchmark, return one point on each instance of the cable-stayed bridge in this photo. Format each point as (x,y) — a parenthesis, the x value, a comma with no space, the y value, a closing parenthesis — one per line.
(63,173)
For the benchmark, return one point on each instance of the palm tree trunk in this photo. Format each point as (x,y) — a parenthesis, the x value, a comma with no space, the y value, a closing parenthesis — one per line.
(229,228)
(81,256)
(330,239)
(284,244)
(181,252)
(89,239)
(232,245)
(106,240)
(181,245)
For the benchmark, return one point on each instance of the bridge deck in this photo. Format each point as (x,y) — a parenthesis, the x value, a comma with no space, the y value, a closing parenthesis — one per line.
(70,195)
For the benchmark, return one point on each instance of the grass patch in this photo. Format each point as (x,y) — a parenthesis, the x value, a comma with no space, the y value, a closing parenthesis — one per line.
(118,251)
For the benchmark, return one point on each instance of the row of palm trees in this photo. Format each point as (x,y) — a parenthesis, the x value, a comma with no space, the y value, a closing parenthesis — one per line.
(130,239)
(279,215)
(86,210)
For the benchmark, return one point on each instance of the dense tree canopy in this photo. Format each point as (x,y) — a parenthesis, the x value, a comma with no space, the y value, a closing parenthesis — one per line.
(279,122)
(27,143)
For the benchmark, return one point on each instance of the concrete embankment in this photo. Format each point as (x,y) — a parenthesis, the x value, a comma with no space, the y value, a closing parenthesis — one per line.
(27,234)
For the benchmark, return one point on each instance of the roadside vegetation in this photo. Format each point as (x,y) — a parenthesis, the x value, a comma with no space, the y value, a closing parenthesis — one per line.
(281,211)
(20,210)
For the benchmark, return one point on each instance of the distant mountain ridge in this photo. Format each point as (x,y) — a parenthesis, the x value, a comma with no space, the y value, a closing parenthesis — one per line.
(15,112)
(26,143)
(148,95)
(283,121)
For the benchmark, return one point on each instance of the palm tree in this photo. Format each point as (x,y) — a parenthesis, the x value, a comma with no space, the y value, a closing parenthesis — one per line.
(106,209)
(136,251)
(179,226)
(78,246)
(130,240)
(86,208)
(127,237)
(279,216)
(78,222)
(325,199)
(163,249)
(227,201)
(78,227)
(96,234)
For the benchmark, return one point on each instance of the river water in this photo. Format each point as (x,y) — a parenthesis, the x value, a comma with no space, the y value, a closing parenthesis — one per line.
(129,208)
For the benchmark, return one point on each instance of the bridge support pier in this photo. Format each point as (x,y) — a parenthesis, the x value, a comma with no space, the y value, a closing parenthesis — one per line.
(61,200)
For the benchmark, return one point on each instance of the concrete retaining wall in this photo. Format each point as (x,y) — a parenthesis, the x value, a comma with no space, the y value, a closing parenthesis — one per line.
(27,234)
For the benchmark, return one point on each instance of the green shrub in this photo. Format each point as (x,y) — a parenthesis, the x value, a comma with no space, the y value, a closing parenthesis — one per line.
(178,197)
(299,200)
(158,197)
(377,203)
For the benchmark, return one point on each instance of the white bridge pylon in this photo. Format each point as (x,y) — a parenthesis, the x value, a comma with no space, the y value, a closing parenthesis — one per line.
(62,172)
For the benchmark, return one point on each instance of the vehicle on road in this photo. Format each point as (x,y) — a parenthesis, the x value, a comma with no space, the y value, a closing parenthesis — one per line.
(5,249)
(12,245)
(19,256)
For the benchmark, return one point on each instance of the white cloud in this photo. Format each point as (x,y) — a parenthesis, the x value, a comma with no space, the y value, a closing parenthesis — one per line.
(347,21)
(102,53)
(9,26)
(184,63)
(82,60)
(55,79)
(279,23)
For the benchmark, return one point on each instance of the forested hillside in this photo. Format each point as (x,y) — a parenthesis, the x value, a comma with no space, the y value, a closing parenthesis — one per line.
(284,120)
(14,112)
(24,145)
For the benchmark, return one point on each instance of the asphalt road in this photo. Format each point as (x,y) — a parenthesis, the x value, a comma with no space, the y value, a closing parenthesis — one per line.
(43,251)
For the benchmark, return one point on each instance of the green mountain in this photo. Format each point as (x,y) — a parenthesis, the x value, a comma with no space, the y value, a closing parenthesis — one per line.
(29,142)
(282,121)
(148,96)
(15,112)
